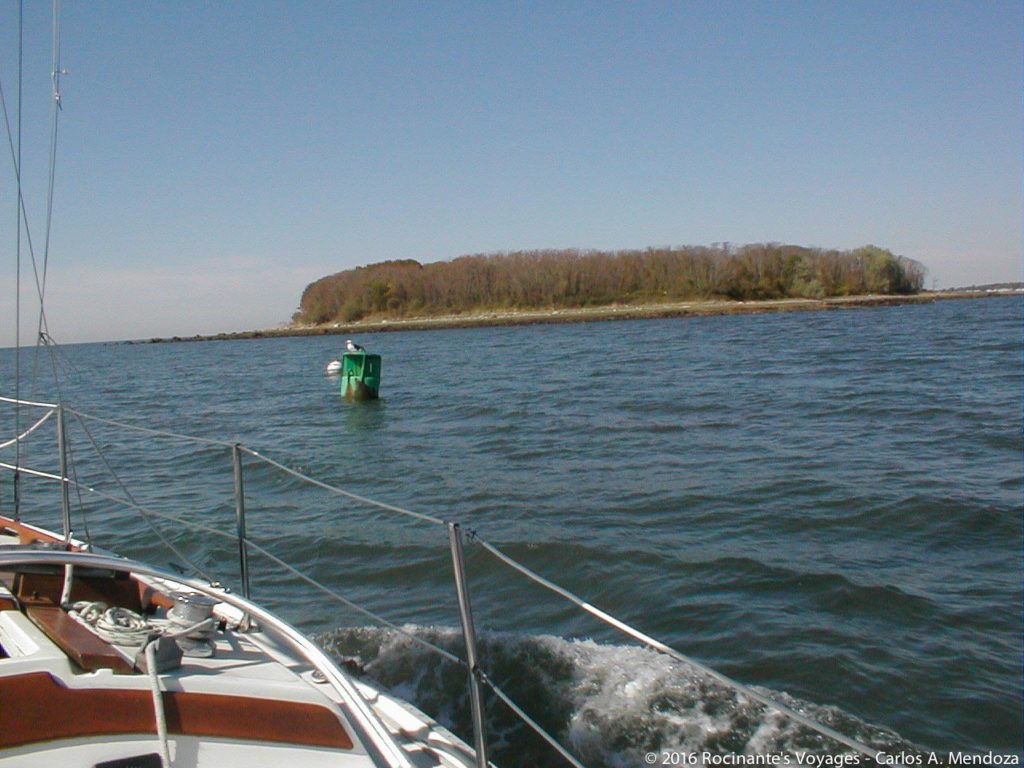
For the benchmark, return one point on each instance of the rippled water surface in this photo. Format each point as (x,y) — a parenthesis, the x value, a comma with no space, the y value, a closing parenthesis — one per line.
(826,505)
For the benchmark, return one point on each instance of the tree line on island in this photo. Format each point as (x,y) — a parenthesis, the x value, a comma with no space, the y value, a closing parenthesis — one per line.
(561,279)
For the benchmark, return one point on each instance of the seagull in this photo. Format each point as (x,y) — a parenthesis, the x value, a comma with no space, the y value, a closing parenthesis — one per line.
(351,346)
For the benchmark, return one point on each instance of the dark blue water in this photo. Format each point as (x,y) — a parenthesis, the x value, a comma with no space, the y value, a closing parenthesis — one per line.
(827,505)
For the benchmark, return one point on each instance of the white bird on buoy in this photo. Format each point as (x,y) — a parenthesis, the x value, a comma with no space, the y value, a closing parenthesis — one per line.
(351,346)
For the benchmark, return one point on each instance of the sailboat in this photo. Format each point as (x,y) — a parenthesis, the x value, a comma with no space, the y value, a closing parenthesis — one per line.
(108,662)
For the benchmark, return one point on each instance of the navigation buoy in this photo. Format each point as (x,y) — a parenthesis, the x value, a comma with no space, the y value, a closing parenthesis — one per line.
(360,375)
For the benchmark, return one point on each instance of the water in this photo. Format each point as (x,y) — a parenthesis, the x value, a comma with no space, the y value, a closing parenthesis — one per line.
(825,505)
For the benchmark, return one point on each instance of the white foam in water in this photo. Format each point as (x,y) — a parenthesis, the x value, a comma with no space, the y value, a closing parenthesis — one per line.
(610,704)
(629,699)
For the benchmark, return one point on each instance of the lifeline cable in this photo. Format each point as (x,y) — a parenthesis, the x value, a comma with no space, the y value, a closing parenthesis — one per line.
(287,566)
(343,492)
(148,430)
(18,438)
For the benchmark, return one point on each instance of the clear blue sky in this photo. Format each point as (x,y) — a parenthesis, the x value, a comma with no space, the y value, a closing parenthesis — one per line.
(214,158)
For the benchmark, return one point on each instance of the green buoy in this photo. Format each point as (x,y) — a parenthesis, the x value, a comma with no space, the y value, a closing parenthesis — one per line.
(360,375)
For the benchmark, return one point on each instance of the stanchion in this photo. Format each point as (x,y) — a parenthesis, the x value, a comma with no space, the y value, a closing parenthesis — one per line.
(243,553)
(466,615)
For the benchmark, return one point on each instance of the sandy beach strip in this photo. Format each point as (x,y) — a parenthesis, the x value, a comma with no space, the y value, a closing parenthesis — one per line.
(692,308)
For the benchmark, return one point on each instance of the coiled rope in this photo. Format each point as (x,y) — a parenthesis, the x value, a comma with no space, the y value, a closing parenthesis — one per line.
(118,626)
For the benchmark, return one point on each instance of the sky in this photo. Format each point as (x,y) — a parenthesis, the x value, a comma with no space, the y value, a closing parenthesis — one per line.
(215,158)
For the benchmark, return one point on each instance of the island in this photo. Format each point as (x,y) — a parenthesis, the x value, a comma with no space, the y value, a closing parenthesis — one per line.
(575,279)
(552,286)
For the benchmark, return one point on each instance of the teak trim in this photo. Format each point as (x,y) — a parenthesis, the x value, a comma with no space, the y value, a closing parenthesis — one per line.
(35,708)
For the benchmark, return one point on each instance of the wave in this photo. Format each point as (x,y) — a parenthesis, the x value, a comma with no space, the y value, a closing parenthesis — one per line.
(609,704)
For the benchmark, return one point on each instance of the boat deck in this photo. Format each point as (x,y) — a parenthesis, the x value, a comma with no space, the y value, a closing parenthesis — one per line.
(69,697)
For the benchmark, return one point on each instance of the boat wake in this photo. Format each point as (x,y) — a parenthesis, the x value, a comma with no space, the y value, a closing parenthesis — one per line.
(612,705)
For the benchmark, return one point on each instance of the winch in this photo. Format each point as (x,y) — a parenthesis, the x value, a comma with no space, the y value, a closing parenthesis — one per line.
(190,609)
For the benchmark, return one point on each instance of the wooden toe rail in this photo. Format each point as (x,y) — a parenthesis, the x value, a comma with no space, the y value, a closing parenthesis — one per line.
(84,647)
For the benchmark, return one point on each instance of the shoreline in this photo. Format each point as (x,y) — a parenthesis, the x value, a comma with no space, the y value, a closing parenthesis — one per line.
(694,308)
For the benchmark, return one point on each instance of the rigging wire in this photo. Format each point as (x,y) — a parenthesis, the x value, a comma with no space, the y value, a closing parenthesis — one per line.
(152,526)
(537,727)
(43,337)
(61,364)
(22,208)
(78,489)
(14,139)
(17,270)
